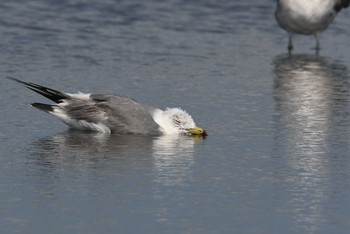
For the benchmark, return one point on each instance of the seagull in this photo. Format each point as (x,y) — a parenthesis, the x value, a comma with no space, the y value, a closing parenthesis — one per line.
(107,113)
(307,17)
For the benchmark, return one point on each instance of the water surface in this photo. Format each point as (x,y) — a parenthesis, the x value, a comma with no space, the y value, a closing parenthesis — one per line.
(277,156)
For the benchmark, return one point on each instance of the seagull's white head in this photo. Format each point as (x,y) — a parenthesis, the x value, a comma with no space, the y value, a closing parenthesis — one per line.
(176,120)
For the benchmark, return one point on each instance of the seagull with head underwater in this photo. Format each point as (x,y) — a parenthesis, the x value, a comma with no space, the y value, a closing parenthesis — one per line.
(113,113)
(307,17)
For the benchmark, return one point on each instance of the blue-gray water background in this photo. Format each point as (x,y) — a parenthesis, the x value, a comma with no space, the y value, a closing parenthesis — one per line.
(277,156)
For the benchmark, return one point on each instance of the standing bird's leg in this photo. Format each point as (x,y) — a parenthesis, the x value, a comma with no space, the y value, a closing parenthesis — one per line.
(290,43)
(318,47)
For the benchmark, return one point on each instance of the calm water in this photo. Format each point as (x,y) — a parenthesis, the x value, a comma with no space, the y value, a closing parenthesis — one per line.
(277,156)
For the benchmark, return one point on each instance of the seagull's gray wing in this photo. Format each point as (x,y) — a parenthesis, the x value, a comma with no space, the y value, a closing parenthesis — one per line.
(121,114)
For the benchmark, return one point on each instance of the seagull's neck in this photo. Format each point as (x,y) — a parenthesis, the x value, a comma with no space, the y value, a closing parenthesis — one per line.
(164,122)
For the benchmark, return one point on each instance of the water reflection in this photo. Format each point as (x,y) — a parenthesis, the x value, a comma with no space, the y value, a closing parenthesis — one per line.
(168,158)
(311,114)
(311,97)
(173,159)
(72,145)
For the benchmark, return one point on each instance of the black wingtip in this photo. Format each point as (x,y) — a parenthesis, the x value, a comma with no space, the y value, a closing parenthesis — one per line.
(52,94)
(43,107)
(17,80)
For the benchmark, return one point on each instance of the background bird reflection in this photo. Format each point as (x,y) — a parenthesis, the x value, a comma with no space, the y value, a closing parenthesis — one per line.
(311,118)
(312,96)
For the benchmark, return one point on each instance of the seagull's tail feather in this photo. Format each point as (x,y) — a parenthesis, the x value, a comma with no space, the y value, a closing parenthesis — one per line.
(43,107)
(53,95)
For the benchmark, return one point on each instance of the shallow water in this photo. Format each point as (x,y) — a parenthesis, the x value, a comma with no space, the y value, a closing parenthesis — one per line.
(277,156)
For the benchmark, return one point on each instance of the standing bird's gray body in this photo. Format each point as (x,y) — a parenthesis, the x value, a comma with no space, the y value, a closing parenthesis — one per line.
(113,113)
(307,17)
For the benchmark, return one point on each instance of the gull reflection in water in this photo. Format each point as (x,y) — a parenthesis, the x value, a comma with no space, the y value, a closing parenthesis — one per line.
(89,155)
(173,159)
(90,146)
(311,114)
(167,158)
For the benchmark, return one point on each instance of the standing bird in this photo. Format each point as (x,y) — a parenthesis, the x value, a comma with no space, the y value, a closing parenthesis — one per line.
(113,113)
(307,17)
